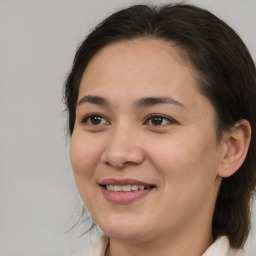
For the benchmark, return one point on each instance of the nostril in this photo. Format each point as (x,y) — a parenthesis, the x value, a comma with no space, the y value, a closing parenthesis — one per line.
(116,165)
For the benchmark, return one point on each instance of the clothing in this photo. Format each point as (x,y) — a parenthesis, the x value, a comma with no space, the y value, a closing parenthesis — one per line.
(96,249)
(220,247)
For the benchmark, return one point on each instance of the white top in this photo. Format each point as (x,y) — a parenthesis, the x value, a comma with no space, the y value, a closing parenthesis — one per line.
(220,247)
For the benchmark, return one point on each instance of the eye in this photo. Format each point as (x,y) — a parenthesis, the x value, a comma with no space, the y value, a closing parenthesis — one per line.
(158,120)
(94,120)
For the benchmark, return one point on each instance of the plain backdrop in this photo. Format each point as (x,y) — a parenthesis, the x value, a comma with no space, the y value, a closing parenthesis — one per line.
(38,39)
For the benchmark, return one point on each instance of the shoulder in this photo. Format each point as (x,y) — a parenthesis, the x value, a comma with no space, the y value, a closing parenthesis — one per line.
(96,249)
(221,247)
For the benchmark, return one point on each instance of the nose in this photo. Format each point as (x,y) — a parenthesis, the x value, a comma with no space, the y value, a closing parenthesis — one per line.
(123,148)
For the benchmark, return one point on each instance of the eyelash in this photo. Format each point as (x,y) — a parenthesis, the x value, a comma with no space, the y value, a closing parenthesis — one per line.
(161,117)
(86,119)
(158,117)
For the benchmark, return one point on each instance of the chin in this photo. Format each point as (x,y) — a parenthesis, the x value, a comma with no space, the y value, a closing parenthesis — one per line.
(131,236)
(126,231)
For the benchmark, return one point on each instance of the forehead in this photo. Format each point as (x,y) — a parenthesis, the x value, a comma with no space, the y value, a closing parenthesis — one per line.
(140,65)
(143,49)
(137,61)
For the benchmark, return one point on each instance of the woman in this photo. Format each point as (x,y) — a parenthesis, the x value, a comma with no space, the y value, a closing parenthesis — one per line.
(161,105)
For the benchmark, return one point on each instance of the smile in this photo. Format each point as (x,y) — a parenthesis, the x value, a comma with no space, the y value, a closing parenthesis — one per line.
(125,191)
(126,188)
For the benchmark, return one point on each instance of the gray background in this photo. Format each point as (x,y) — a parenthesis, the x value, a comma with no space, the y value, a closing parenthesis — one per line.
(38,198)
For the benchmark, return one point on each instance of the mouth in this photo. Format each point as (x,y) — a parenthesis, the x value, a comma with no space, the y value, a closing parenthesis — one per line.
(126,188)
(125,191)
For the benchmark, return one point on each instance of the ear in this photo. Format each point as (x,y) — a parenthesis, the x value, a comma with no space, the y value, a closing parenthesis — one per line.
(235,147)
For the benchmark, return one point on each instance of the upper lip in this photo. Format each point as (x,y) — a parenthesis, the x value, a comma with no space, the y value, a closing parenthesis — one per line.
(124,182)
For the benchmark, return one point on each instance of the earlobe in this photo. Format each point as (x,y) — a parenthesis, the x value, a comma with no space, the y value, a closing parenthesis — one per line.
(236,144)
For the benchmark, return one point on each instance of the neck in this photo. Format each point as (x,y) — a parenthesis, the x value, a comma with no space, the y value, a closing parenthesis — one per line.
(192,244)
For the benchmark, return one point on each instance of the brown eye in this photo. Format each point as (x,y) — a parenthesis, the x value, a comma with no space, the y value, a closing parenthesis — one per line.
(156,120)
(94,120)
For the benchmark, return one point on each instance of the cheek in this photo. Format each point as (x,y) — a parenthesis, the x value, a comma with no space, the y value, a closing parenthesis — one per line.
(186,160)
(84,155)
(188,171)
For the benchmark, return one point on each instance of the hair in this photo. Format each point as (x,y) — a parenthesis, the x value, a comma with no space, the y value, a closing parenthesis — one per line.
(226,76)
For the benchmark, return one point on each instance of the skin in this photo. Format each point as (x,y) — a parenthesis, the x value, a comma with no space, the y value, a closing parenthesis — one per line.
(180,155)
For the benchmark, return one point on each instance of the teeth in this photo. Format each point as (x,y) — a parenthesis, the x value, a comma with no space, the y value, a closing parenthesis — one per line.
(135,187)
(125,188)
(117,188)
(141,187)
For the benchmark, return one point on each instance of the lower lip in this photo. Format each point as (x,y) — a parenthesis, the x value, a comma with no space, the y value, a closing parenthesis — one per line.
(124,197)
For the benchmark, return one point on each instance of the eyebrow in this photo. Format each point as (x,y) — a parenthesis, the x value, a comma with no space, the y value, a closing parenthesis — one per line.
(94,100)
(151,101)
(140,103)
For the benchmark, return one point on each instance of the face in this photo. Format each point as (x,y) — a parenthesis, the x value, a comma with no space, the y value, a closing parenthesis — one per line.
(144,150)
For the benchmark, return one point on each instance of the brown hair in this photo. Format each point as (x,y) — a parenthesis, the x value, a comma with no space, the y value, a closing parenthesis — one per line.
(227,77)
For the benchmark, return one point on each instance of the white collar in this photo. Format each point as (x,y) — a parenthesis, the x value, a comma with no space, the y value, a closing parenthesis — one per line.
(220,247)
